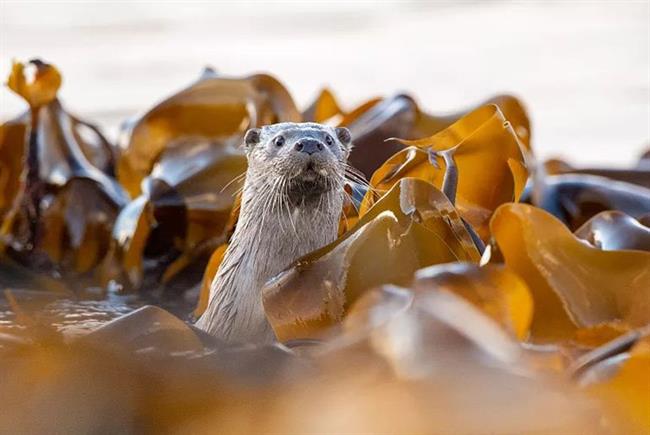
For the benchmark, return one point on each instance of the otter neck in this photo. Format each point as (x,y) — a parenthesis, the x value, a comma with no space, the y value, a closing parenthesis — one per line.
(287,224)
(272,232)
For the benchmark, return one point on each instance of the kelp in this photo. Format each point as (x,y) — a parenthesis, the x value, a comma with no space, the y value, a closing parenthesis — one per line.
(620,381)
(13,136)
(637,175)
(208,276)
(412,226)
(494,289)
(573,285)
(374,122)
(183,213)
(147,367)
(59,207)
(614,230)
(457,159)
(576,198)
(217,109)
(547,334)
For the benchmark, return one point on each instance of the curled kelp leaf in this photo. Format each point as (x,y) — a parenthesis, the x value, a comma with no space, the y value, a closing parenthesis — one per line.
(183,213)
(215,108)
(412,226)
(573,285)
(455,160)
(575,198)
(65,208)
(614,230)
(494,289)
(399,116)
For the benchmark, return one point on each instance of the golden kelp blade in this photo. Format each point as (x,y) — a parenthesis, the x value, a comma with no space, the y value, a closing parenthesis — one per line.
(512,109)
(494,289)
(413,226)
(614,230)
(400,116)
(183,213)
(478,141)
(64,210)
(42,90)
(323,109)
(573,285)
(215,108)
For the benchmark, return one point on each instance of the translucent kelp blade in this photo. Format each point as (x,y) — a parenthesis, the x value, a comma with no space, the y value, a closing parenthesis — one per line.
(494,289)
(323,109)
(215,109)
(614,230)
(480,140)
(511,107)
(42,89)
(399,116)
(409,228)
(573,285)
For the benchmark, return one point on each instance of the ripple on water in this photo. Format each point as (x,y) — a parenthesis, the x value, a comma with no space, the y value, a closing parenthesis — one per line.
(68,316)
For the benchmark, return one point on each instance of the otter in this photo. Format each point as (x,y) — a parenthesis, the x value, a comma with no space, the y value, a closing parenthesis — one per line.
(292,201)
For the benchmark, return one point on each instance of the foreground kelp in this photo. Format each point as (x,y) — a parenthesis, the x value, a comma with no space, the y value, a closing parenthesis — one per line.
(443,307)
(412,226)
(426,360)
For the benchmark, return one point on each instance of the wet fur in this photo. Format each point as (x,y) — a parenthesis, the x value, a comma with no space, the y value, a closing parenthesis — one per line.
(286,212)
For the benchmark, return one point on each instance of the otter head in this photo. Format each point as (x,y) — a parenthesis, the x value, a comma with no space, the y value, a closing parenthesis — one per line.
(302,160)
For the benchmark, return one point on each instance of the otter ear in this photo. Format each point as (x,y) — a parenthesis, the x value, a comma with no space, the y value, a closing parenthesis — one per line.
(252,137)
(344,135)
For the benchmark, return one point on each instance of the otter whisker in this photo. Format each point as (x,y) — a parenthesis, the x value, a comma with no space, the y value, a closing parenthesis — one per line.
(349,198)
(238,178)
(284,190)
(352,169)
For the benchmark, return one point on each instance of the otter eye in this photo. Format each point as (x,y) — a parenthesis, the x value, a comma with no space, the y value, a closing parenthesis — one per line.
(329,139)
(279,141)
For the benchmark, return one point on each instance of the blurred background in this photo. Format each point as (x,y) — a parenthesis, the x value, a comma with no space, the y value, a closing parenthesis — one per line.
(581,67)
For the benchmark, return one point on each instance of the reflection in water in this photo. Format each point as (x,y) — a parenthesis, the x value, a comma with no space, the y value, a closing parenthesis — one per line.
(74,317)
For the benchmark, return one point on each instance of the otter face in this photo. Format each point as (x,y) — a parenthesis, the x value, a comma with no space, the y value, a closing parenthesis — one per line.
(309,159)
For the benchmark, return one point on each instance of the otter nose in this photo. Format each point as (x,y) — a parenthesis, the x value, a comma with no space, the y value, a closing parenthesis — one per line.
(309,146)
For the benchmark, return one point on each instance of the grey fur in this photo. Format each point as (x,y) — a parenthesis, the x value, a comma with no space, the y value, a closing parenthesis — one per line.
(287,211)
